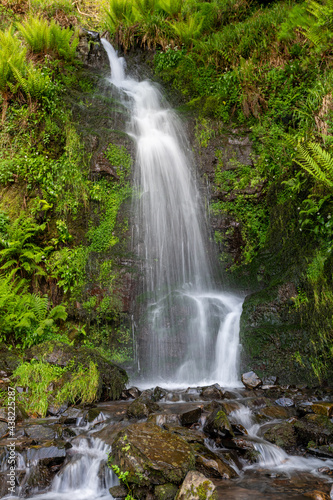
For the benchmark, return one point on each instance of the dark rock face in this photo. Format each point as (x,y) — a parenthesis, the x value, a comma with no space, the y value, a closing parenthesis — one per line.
(151,455)
(90,49)
(270,331)
(142,407)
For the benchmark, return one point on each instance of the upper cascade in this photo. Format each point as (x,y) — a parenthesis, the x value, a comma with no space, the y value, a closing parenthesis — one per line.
(190,334)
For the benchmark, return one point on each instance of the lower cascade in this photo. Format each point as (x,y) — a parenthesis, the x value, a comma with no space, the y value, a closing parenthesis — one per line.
(187,324)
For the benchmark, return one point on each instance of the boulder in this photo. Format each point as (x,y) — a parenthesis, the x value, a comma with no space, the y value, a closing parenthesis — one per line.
(40,432)
(211,392)
(152,456)
(191,416)
(251,380)
(196,487)
(166,491)
(212,465)
(217,423)
(190,435)
(323,408)
(142,407)
(283,435)
(315,428)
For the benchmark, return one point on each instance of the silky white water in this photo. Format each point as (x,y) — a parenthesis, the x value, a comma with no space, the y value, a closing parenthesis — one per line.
(85,477)
(190,333)
(270,455)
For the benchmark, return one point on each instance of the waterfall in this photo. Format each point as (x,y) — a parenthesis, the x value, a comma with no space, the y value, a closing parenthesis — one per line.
(189,331)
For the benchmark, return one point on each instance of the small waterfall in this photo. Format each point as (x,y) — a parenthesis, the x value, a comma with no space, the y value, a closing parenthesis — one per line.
(190,333)
(86,475)
(270,455)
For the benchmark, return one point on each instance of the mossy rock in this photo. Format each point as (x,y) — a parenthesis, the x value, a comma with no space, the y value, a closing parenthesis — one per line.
(283,435)
(166,491)
(9,360)
(218,423)
(152,455)
(112,378)
(197,487)
(314,428)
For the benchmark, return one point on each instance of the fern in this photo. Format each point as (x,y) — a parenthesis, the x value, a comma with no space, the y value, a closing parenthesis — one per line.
(188,30)
(171,7)
(317,161)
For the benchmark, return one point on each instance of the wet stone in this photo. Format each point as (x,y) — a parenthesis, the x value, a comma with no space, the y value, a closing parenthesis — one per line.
(211,392)
(189,435)
(196,487)
(218,423)
(316,428)
(323,408)
(285,402)
(40,432)
(159,394)
(191,417)
(166,491)
(159,456)
(212,465)
(49,456)
(251,380)
(3,429)
(282,435)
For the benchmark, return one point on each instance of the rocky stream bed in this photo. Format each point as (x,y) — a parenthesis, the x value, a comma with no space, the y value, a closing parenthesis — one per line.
(262,441)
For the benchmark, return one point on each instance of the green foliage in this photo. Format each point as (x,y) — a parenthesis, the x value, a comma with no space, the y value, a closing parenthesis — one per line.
(26,319)
(67,266)
(49,38)
(52,384)
(316,161)
(12,58)
(188,30)
(19,251)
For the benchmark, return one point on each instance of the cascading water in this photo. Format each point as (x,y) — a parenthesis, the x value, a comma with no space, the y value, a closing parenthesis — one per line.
(86,476)
(190,334)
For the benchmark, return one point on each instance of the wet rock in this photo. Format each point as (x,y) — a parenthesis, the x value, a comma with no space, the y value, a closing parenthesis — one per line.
(110,431)
(118,491)
(191,436)
(244,446)
(3,429)
(251,380)
(47,456)
(212,392)
(212,465)
(40,432)
(323,408)
(9,360)
(166,491)
(95,415)
(218,423)
(67,433)
(316,428)
(56,410)
(270,381)
(231,406)
(283,435)
(134,392)
(72,415)
(191,416)
(196,487)
(39,477)
(142,407)
(324,451)
(326,470)
(304,408)
(164,419)
(152,455)
(273,412)
(159,394)
(90,50)
(285,402)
